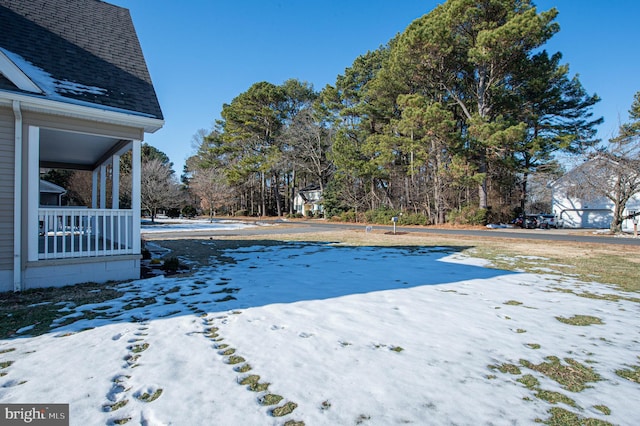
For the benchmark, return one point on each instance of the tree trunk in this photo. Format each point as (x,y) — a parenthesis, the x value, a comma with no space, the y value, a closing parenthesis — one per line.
(276,193)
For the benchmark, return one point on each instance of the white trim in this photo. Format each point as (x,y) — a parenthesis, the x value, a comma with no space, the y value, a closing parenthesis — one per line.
(17,199)
(16,76)
(103,186)
(94,189)
(33,192)
(83,110)
(135,193)
(115,183)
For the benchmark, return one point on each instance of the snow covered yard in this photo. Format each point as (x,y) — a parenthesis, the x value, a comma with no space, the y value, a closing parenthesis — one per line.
(318,334)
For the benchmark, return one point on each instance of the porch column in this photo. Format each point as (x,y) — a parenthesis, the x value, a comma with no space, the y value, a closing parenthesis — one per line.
(115,182)
(135,194)
(33,193)
(103,186)
(94,189)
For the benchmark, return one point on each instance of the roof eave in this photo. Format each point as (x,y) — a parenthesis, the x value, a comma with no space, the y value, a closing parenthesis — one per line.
(83,110)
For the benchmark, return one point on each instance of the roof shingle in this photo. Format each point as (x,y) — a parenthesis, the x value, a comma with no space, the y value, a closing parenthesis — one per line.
(87,49)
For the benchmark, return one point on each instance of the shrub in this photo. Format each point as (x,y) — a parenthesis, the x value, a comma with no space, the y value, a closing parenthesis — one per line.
(381,215)
(173,213)
(413,219)
(171,264)
(189,211)
(468,215)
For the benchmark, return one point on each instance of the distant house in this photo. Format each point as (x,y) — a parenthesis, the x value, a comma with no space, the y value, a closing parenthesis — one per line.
(308,201)
(575,209)
(75,93)
(51,194)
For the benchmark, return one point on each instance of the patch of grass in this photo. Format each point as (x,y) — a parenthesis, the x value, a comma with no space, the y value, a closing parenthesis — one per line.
(122,421)
(270,399)
(562,417)
(4,351)
(243,368)
(555,397)
(529,381)
(506,368)
(136,349)
(253,381)
(512,303)
(603,409)
(41,307)
(285,409)
(139,303)
(573,376)
(225,299)
(632,373)
(227,352)
(521,330)
(325,405)
(146,397)
(235,359)
(533,345)
(5,364)
(396,348)
(294,423)
(253,378)
(580,320)
(116,406)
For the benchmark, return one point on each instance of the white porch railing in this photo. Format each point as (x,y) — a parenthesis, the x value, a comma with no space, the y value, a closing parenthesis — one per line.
(81,232)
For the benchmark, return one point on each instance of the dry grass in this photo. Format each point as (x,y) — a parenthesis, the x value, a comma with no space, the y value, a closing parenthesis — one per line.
(606,263)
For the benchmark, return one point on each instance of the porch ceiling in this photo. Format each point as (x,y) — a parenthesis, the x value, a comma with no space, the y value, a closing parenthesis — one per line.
(78,151)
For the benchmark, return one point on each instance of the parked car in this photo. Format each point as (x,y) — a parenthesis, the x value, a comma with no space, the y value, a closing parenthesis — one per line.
(547,221)
(529,221)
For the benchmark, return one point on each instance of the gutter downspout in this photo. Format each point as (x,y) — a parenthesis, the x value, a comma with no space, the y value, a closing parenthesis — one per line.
(17,200)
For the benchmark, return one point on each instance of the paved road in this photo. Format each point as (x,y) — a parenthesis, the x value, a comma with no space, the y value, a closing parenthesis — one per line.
(296,227)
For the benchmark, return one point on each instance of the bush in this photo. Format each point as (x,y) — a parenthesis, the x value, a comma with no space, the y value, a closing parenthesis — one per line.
(173,213)
(468,215)
(171,264)
(413,219)
(241,213)
(189,211)
(381,215)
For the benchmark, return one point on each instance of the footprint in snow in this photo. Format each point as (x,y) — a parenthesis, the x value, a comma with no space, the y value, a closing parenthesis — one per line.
(305,335)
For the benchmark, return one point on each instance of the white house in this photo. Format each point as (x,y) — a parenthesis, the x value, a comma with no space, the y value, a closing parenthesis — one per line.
(575,209)
(75,93)
(308,201)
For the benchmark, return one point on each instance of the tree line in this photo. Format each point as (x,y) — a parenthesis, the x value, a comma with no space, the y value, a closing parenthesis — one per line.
(447,121)
(453,120)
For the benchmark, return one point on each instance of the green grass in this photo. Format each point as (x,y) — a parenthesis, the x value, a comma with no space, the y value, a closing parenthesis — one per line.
(506,368)
(632,373)
(605,267)
(41,307)
(285,409)
(580,320)
(147,397)
(572,375)
(562,417)
(234,359)
(116,406)
(270,399)
(512,303)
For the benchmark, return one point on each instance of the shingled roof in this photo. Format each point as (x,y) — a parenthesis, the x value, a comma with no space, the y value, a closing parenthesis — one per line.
(78,51)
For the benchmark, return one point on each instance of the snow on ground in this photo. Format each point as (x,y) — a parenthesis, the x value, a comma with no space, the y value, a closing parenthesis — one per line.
(177,225)
(351,335)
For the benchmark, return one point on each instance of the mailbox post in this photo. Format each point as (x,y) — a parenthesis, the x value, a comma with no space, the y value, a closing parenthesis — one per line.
(394,220)
(634,218)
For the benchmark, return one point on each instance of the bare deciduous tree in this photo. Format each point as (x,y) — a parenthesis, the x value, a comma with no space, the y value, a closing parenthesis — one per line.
(211,186)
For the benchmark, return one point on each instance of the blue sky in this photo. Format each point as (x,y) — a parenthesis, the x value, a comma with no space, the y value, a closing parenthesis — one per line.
(203,53)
